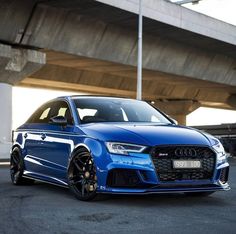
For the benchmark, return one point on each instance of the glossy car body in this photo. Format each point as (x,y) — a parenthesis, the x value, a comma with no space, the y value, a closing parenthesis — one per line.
(47,150)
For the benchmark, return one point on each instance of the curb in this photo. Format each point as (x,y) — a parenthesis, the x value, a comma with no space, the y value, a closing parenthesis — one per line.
(4,163)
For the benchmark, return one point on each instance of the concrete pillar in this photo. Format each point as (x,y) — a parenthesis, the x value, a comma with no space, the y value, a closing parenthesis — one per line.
(181,119)
(15,65)
(232,100)
(5,119)
(177,109)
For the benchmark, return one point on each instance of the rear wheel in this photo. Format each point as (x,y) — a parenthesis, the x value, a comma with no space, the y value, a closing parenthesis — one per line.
(82,177)
(199,194)
(17,169)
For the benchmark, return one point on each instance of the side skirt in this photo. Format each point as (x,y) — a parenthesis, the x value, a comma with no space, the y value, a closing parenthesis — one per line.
(45,179)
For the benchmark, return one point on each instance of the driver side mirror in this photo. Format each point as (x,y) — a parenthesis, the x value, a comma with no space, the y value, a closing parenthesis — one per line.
(58,120)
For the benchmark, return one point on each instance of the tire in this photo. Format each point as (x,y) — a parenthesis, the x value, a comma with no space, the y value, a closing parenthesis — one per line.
(17,169)
(82,178)
(199,194)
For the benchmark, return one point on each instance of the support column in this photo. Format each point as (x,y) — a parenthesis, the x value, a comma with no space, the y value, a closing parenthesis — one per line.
(15,65)
(5,120)
(177,109)
(181,119)
(232,100)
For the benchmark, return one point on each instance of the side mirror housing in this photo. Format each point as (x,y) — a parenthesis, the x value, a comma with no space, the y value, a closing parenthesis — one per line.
(58,120)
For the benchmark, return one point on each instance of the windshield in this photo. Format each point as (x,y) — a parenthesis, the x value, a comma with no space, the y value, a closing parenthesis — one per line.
(97,109)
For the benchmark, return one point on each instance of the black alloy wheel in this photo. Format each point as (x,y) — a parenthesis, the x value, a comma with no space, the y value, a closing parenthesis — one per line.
(82,177)
(17,169)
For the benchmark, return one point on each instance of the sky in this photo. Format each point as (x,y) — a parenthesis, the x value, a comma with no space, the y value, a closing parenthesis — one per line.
(23,106)
(220,9)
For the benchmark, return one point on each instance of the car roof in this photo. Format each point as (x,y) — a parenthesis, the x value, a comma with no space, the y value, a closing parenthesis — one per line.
(91,96)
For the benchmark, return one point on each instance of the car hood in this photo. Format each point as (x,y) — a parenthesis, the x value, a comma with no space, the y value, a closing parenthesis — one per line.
(146,134)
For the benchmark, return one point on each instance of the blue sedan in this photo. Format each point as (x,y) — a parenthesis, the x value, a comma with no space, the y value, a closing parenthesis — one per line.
(97,145)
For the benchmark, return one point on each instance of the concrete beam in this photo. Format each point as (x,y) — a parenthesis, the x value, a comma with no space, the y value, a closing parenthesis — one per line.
(180,17)
(17,63)
(14,17)
(93,89)
(81,70)
(85,35)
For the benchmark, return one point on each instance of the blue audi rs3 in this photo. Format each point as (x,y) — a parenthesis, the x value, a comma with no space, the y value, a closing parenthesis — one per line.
(109,145)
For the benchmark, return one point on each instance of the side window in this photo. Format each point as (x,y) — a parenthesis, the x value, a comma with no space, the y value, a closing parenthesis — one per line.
(42,115)
(62,109)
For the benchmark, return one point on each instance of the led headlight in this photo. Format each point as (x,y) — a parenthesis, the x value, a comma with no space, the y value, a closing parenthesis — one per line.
(124,148)
(219,149)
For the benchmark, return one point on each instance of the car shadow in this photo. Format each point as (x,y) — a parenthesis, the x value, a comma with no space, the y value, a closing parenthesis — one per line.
(166,200)
(51,188)
(159,200)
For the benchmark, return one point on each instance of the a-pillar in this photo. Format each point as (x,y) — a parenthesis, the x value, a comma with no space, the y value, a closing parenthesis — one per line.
(177,109)
(5,119)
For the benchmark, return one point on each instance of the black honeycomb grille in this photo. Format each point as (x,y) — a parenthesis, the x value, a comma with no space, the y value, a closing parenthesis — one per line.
(163,157)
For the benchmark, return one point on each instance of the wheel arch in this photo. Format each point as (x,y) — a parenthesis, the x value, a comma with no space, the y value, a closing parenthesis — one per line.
(81,145)
(76,149)
(94,146)
(16,146)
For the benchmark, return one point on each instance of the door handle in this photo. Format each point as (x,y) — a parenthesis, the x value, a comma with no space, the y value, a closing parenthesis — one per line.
(43,136)
(25,135)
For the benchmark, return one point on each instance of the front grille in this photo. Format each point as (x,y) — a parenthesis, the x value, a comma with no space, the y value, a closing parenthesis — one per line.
(163,157)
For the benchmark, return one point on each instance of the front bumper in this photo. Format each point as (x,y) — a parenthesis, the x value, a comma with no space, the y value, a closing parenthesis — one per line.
(159,189)
(148,181)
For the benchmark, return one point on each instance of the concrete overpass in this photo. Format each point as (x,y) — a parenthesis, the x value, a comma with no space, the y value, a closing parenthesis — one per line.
(189,59)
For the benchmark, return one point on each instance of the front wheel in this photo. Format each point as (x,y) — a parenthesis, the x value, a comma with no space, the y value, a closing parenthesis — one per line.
(82,177)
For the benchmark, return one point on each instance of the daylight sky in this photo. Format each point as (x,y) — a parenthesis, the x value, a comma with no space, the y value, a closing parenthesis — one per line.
(219,9)
(224,10)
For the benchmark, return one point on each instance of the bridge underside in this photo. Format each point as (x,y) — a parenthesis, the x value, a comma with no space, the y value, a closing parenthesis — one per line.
(91,47)
(189,60)
(77,73)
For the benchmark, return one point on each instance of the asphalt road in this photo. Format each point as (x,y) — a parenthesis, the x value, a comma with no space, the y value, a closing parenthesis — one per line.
(43,208)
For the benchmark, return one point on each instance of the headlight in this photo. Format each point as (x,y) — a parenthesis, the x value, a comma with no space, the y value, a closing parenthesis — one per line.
(219,149)
(123,148)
